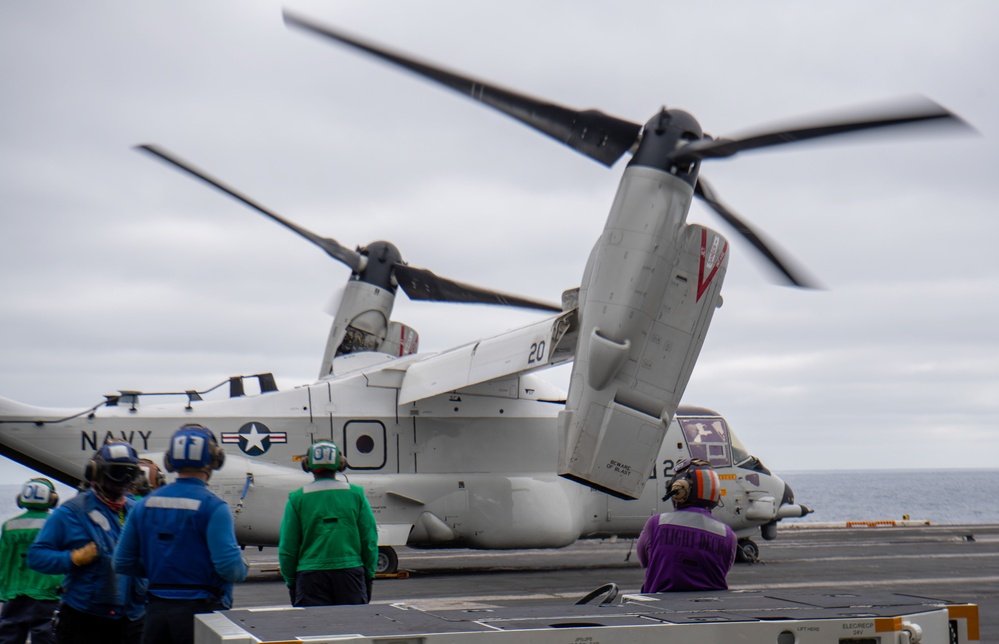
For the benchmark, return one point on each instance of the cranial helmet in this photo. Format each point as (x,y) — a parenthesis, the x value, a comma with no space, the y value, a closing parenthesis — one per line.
(193,447)
(694,483)
(151,477)
(324,455)
(38,494)
(113,467)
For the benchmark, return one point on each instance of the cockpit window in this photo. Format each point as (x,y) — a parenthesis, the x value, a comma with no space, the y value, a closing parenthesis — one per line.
(708,439)
(739,452)
(743,458)
(711,439)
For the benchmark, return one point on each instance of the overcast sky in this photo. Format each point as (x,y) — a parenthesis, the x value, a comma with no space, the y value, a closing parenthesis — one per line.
(117,272)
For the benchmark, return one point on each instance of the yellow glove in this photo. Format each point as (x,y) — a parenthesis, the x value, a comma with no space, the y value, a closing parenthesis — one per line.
(86,554)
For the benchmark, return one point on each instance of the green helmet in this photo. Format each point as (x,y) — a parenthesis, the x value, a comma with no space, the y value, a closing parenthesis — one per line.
(37,494)
(324,455)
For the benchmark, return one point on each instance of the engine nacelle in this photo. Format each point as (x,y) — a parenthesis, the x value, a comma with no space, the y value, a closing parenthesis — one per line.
(361,323)
(649,292)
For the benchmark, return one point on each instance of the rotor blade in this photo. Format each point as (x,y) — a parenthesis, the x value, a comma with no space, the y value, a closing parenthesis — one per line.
(796,277)
(922,111)
(333,249)
(597,135)
(422,284)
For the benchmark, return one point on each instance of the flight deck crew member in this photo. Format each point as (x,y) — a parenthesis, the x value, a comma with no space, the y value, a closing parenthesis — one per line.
(30,598)
(688,549)
(150,478)
(328,550)
(98,605)
(181,538)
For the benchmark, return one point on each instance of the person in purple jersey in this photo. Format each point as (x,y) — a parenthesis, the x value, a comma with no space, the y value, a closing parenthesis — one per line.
(688,549)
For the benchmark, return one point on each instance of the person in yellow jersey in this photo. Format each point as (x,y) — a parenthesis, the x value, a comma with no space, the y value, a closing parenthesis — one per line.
(328,549)
(30,598)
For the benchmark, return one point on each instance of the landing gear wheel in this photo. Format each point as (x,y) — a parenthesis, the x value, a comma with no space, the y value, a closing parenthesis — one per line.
(747,552)
(388,561)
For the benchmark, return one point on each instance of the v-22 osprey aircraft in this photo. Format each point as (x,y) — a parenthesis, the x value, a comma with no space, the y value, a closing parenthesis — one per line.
(470,447)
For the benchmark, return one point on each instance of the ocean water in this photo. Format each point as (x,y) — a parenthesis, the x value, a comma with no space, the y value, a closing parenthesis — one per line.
(942,497)
(938,496)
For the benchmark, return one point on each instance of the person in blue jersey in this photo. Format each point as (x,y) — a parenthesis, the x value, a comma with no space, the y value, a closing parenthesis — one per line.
(98,605)
(688,549)
(30,598)
(181,538)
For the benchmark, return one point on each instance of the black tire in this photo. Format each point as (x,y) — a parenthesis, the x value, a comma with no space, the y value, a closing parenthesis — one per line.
(747,552)
(388,561)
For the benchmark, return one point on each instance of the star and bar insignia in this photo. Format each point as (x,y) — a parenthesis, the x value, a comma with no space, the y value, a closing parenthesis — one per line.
(254,438)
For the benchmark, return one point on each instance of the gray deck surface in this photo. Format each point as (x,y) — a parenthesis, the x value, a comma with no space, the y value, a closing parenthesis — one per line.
(955,563)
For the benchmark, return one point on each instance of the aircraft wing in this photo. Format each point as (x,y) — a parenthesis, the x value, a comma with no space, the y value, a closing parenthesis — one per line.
(544,344)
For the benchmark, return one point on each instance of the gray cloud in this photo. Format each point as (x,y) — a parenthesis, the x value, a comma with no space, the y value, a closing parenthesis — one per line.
(119,273)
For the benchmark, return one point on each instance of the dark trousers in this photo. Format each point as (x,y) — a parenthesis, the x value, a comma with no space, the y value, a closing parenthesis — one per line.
(22,616)
(76,627)
(330,587)
(171,621)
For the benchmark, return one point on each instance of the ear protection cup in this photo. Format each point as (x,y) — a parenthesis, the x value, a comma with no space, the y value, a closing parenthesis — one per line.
(694,483)
(679,491)
(217,453)
(90,471)
(38,494)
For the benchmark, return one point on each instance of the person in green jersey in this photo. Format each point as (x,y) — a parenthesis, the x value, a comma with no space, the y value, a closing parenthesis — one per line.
(30,598)
(328,549)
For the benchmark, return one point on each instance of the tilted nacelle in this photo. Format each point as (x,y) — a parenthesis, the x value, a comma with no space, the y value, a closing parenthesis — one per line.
(649,292)
(361,323)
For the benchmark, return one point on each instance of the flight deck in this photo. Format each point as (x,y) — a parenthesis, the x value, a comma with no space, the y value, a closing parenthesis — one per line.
(783,616)
(898,567)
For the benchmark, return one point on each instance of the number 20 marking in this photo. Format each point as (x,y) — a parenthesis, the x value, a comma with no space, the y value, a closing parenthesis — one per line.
(537,353)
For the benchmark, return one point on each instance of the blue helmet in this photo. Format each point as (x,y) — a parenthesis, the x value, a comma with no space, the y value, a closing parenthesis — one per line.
(115,464)
(193,447)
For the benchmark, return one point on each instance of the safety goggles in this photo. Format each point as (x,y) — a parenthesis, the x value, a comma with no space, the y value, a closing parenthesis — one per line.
(120,473)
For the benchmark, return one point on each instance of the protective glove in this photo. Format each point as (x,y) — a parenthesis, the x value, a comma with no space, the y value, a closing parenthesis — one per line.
(291,593)
(368,584)
(86,554)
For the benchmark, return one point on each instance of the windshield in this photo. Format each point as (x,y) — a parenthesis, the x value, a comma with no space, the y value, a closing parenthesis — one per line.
(714,441)
(743,458)
(739,452)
